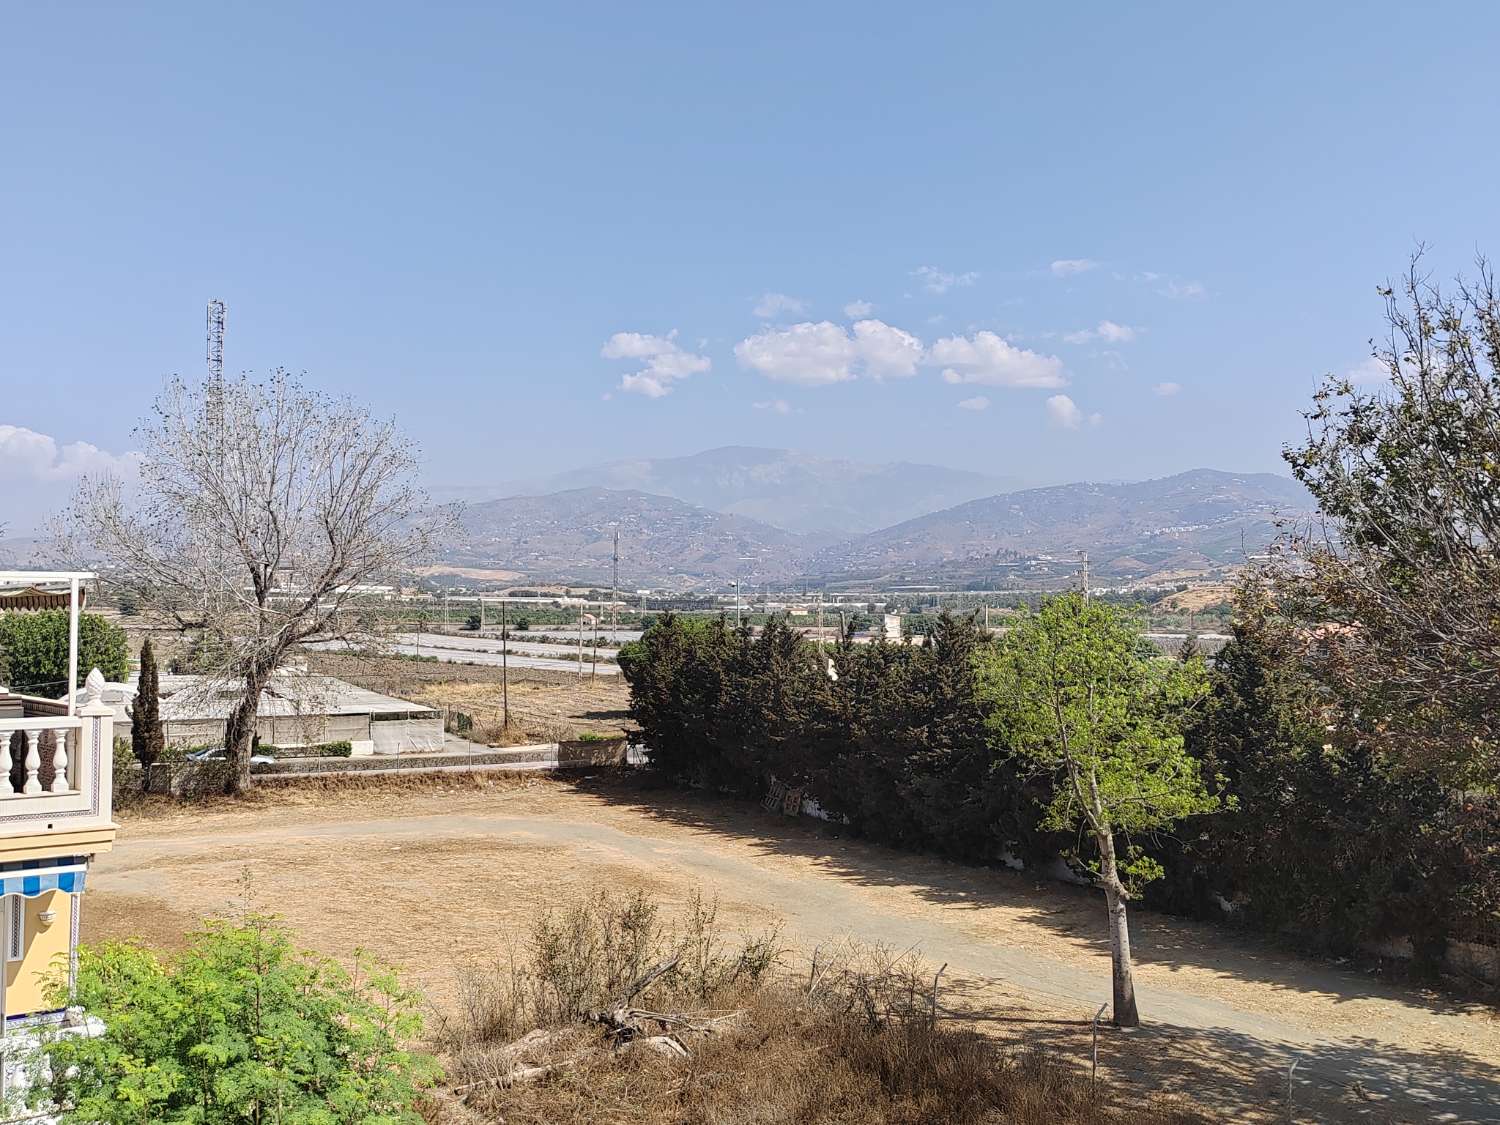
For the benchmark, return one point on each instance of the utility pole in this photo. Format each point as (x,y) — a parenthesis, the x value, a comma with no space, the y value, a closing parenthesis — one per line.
(504,661)
(594,662)
(580,642)
(614,588)
(1085,576)
(820,621)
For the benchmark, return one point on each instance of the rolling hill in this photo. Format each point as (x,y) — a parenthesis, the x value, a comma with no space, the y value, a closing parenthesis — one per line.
(569,536)
(1191,520)
(799,492)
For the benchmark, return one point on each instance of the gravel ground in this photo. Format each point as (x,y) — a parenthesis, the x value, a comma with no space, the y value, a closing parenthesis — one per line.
(367,866)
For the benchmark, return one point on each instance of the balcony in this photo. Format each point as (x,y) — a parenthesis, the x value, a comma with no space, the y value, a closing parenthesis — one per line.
(56,755)
(55,768)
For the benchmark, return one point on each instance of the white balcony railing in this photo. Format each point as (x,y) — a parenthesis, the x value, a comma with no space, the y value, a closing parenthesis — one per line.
(39,756)
(56,768)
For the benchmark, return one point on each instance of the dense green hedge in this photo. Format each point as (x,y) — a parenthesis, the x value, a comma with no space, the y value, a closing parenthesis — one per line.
(341,749)
(34,650)
(1319,837)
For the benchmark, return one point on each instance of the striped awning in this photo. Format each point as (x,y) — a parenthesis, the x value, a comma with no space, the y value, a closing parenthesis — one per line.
(32,877)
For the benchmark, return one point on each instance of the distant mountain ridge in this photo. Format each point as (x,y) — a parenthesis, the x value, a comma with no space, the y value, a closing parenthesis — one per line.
(1193,520)
(801,492)
(569,536)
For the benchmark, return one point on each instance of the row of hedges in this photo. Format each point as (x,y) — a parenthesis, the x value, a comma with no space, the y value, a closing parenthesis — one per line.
(340,749)
(1320,837)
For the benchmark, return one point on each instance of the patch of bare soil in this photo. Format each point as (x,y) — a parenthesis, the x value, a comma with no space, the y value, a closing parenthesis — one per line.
(438,874)
(544,705)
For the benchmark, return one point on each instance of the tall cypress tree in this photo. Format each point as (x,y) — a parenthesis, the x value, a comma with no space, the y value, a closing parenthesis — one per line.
(146,739)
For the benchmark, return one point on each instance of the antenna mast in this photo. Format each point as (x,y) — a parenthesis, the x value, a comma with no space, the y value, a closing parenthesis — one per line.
(216,341)
(215,355)
(614,589)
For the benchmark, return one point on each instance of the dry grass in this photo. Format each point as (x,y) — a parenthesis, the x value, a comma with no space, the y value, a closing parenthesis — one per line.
(850,1038)
(545,706)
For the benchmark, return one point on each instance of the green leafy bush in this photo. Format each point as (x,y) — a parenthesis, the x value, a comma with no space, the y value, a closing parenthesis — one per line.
(318,750)
(240,1027)
(35,650)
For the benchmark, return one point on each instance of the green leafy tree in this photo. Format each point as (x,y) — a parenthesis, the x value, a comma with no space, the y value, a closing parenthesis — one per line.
(1330,838)
(146,737)
(1403,587)
(36,650)
(240,1027)
(1076,698)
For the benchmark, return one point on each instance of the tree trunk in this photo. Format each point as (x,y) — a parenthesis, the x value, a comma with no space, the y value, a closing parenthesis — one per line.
(1115,896)
(239,733)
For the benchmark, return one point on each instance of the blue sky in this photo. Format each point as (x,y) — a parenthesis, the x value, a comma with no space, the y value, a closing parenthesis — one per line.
(1079,241)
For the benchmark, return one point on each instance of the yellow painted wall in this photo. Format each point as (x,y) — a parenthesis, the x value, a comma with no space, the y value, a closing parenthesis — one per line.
(46,952)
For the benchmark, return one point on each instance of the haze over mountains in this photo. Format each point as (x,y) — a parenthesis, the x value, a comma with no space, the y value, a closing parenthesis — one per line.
(800,492)
(779,517)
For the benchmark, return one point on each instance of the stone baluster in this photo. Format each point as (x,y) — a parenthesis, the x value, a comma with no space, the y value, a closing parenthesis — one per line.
(60,762)
(33,763)
(6,789)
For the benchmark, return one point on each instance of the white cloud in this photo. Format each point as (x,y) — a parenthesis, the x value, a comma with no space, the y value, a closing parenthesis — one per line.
(769,305)
(1067,267)
(665,362)
(854,310)
(1167,390)
(1064,412)
(978,402)
(29,457)
(887,351)
(1106,330)
(775,406)
(1369,370)
(990,360)
(937,281)
(823,353)
(1181,290)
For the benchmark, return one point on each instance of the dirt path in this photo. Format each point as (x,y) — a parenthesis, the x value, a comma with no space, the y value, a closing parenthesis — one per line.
(378,868)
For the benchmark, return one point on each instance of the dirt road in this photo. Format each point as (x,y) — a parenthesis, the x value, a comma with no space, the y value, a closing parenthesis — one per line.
(1225,1015)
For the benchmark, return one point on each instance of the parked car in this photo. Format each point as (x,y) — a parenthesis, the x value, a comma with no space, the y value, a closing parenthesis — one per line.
(216,754)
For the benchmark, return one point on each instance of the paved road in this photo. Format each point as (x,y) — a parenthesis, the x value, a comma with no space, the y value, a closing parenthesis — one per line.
(470,643)
(445,650)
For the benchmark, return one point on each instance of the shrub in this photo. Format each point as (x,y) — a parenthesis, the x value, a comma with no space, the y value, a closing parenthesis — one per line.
(850,1038)
(341,749)
(35,647)
(239,1027)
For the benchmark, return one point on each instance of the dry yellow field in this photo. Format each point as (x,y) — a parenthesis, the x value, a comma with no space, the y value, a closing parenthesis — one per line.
(433,875)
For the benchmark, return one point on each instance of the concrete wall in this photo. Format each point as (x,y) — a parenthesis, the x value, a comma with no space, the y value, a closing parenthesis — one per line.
(407,736)
(291,730)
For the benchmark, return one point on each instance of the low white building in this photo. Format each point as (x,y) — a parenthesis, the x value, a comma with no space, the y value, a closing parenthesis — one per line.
(297,708)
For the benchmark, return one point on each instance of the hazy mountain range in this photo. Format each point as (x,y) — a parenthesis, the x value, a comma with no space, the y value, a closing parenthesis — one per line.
(773,522)
(800,492)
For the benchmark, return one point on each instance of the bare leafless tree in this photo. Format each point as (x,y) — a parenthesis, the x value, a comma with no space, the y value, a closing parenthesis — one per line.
(263,513)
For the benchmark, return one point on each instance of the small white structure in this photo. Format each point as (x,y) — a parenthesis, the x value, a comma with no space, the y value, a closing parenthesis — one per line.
(297,708)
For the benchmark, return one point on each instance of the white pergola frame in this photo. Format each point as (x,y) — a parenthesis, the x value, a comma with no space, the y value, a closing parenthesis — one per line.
(74,578)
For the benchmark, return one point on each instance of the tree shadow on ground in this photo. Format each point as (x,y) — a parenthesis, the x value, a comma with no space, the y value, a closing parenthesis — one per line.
(1232,1075)
(1161,942)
